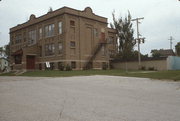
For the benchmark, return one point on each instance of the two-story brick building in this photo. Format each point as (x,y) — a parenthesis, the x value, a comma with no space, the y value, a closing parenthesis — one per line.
(64,36)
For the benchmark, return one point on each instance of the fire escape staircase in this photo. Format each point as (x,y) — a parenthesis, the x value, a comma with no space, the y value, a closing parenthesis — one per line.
(95,52)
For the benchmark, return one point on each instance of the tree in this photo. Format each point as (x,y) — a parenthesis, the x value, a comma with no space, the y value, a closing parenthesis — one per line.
(178,48)
(155,53)
(125,35)
(7,50)
(1,51)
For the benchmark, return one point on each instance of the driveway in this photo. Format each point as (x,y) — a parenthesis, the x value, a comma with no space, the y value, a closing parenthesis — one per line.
(88,98)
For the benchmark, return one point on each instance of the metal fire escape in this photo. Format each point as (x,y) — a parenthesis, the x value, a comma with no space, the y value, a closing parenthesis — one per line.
(96,50)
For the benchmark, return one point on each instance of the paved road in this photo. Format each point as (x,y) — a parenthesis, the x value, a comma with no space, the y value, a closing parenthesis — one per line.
(89,98)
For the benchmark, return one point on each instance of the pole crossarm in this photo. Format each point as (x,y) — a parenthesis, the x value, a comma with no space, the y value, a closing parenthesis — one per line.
(171,39)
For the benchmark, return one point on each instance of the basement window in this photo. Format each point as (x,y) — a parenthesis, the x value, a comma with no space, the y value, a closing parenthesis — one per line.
(73,64)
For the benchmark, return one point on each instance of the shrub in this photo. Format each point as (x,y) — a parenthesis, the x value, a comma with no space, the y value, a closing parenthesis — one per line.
(111,66)
(143,68)
(61,67)
(151,68)
(105,66)
(68,67)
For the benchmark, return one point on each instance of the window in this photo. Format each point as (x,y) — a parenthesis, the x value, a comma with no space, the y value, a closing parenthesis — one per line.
(73,64)
(60,27)
(49,49)
(103,51)
(95,32)
(111,40)
(18,38)
(72,23)
(32,37)
(60,47)
(18,59)
(72,44)
(40,33)
(49,30)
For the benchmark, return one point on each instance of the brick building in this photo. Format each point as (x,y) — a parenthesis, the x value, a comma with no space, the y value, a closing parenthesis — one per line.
(80,39)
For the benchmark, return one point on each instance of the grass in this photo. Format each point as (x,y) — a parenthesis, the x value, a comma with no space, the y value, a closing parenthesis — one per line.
(163,75)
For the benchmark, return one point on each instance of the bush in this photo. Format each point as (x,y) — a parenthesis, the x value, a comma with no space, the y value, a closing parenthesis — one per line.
(143,68)
(105,66)
(61,67)
(68,67)
(151,68)
(111,66)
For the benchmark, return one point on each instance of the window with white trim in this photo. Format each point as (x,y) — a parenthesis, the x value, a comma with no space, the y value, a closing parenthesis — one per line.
(49,30)
(60,27)
(32,37)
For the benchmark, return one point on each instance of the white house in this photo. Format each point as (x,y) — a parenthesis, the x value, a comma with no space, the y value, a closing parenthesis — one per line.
(3,64)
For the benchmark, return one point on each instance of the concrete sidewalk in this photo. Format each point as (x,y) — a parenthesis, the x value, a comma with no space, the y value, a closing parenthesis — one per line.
(88,98)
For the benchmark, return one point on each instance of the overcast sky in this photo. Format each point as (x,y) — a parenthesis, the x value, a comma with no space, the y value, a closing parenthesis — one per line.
(161,17)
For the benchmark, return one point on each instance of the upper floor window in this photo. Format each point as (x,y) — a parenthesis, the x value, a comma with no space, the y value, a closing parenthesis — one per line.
(18,38)
(111,40)
(60,47)
(95,32)
(73,64)
(32,37)
(60,27)
(72,44)
(40,33)
(103,51)
(49,30)
(18,59)
(49,49)
(72,23)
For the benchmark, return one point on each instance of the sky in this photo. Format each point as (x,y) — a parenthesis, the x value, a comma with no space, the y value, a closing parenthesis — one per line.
(161,17)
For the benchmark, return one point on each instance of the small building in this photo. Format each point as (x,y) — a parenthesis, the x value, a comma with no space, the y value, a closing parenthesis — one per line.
(166,52)
(3,64)
(65,36)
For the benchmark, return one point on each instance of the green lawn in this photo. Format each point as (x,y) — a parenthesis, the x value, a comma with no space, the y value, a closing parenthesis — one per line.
(167,75)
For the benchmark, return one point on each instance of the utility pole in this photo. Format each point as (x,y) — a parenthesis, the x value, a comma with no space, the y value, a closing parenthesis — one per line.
(138,39)
(171,38)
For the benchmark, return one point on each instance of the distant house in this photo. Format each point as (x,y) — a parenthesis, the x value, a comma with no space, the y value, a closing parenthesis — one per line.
(3,64)
(166,53)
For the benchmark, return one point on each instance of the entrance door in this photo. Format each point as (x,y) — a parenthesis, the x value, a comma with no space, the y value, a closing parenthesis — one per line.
(30,62)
